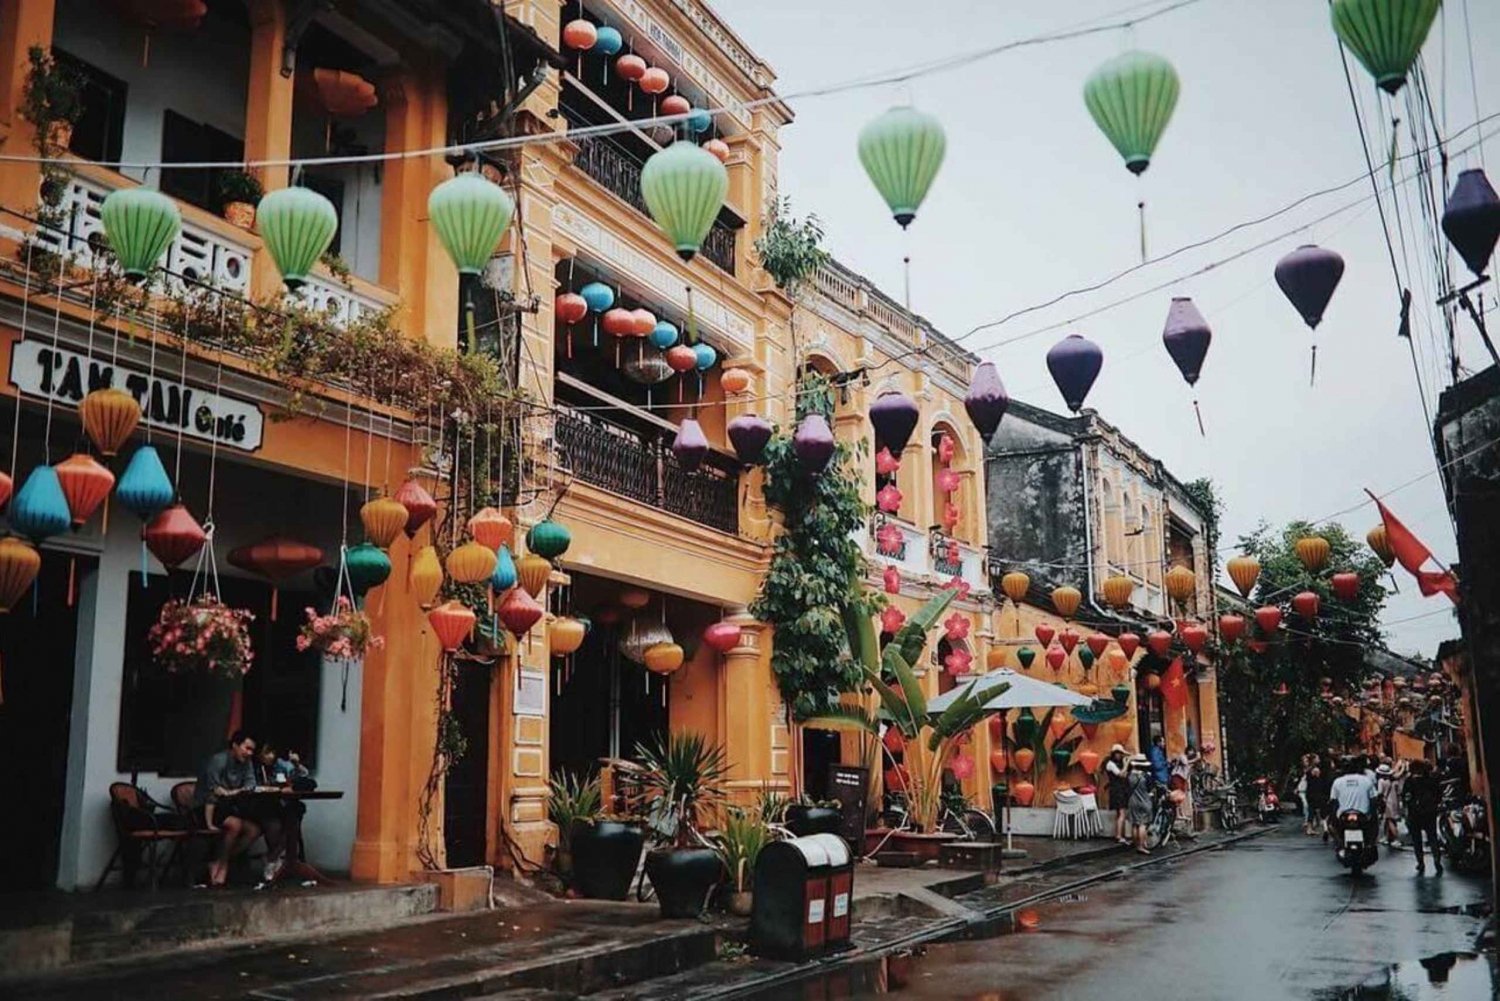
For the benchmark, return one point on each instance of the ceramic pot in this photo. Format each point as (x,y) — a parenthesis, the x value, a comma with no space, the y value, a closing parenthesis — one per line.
(803,820)
(924,846)
(604,857)
(240,214)
(682,878)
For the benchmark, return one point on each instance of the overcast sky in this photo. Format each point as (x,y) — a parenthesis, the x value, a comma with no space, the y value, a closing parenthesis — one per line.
(1033,201)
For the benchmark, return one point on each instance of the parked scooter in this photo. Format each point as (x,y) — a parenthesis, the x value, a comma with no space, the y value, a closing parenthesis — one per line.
(1267,803)
(1464,828)
(1355,840)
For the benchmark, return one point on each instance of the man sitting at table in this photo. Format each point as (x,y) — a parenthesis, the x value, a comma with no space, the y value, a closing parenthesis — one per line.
(223,780)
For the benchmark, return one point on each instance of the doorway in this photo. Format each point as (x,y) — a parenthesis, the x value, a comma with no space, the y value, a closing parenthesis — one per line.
(603,705)
(466,787)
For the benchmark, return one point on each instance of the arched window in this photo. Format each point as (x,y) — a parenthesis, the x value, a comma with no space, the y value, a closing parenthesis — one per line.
(946,474)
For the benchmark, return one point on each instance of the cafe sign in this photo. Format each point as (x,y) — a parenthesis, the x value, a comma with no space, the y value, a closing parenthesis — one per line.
(66,377)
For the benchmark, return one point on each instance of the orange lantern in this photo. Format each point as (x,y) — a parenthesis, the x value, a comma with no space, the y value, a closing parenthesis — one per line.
(1117,589)
(109,416)
(532,572)
(452,622)
(383,518)
(1059,725)
(674,105)
(655,80)
(565,635)
(1181,583)
(719,148)
(644,322)
(997,761)
(634,598)
(337,93)
(425,577)
(630,66)
(1089,760)
(1023,791)
(471,563)
(85,484)
(19,565)
(1244,571)
(995,657)
(734,380)
(580,34)
(1153,681)
(1376,538)
(663,658)
(1313,551)
(1065,599)
(519,612)
(1116,660)
(1023,758)
(491,528)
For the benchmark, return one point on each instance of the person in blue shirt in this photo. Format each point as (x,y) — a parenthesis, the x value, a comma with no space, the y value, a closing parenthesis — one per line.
(1161,771)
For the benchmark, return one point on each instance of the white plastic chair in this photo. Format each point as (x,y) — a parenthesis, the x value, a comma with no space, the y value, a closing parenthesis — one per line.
(1092,820)
(1068,819)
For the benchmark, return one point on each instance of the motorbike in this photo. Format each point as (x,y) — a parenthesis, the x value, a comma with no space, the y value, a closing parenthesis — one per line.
(1267,803)
(1355,841)
(1464,829)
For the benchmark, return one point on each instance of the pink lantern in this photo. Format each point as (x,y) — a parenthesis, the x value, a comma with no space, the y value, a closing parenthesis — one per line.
(958,661)
(675,105)
(947,481)
(888,499)
(892,576)
(946,448)
(886,464)
(957,583)
(963,767)
(719,148)
(722,637)
(1056,657)
(891,619)
(630,66)
(956,626)
(950,517)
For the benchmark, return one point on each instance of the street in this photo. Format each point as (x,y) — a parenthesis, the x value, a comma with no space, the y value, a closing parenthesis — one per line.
(1274,917)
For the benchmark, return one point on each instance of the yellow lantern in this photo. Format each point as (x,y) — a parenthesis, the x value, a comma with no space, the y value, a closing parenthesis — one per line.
(663,658)
(1065,599)
(1015,585)
(425,577)
(995,658)
(532,571)
(109,416)
(19,565)
(1244,571)
(1376,538)
(471,563)
(1313,551)
(1181,583)
(565,635)
(1117,590)
(383,518)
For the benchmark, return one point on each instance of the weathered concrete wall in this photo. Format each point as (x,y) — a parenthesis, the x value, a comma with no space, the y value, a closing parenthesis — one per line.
(1034,486)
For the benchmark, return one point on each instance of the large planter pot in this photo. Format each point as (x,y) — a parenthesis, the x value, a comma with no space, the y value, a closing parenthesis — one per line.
(803,820)
(875,839)
(604,857)
(924,846)
(197,720)
(682,878)
(739,903)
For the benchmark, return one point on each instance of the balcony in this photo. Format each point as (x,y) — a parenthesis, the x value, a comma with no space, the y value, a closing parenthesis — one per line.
(924,554)
(641,466)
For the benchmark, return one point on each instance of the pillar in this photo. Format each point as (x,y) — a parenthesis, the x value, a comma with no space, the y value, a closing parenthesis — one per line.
(749,712)
(268,121)
(22,25)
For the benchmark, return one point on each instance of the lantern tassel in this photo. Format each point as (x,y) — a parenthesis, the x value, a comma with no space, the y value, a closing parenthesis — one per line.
(1199,414)
(104,518)
(570,344)
(72,579)
(596,331)
(1141,211)
(1312,378)
(2,685)
(274,592)
(143,565)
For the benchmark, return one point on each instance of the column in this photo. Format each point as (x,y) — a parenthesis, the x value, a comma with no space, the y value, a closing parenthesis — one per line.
(22,25)
(748,712)
(268,121)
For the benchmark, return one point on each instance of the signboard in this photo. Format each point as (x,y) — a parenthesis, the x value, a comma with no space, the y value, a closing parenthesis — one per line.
(531,694)
(66,377)
(848,785)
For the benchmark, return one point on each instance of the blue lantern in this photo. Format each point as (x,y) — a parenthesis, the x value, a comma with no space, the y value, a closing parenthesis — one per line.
(608,41)
(706,356)
(39,508)
(598,295)
(664,336)
(504,577)
(144,488)
(699,121)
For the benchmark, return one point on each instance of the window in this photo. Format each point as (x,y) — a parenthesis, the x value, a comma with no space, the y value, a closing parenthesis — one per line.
(97,133)
(332,189)
(186,141)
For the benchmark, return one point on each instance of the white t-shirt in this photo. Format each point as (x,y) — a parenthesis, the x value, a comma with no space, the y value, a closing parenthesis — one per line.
(1354,792)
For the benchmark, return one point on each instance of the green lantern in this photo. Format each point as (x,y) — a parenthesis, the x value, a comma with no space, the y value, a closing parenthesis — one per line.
(367,567)
(1025,656)
(1384,35)
(1062,757)
(470,215)
(140,223)
(1026,727)
(684,186)
(1086,657)
(1121,694)
(298,225)
(902,151)
(548,539)
(1131,98)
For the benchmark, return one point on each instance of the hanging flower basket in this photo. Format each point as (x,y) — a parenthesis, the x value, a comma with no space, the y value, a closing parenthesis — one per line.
(202,636)
(342,634)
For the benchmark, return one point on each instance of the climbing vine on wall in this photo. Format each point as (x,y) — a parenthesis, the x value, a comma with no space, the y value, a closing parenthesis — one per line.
(815,564)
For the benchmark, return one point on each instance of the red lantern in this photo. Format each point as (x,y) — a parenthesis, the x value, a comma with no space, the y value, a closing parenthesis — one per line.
(1231,627)
(85,484)
(675,105)
(719,148)
(1346,586)
(1044,634)
(655,80)
(645,322)
(174,536)
(891,619)
(1194,636)
(1159,641)
(7,487)
(886,464)
(892,578)
(1305,604)
(1129,644)
(681,358)
(888,498)
(946,448)
(276,557)
(1068,638)
(1268,618)
(630,66)
(1281,690)
(519,611)
(893,741)
(997,733)
(1257,646)
(1025,792)
(997,759)
(420,507)
(722,637)
(618,322)
(896,778)
(570,307)
(580,34)
(1097,644)
(452,622)
(1056,657)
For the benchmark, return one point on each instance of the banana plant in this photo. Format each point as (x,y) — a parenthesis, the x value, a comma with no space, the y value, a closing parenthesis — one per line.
(932,738)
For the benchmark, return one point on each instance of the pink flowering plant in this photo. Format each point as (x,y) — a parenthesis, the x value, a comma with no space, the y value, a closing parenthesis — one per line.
(202,636)
(343,633)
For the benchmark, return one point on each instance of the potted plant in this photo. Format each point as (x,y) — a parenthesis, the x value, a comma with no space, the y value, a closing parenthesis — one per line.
(745,833)
(52,101)
(203,646)
(930,738)
(343,634)
(572,801)
(239,193)
(810,816)
(683,777)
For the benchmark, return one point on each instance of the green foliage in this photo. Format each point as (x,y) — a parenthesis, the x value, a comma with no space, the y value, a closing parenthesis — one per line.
(816,569)
(684,774)
(1267,733)
(239,186)
(790,249)
(739,843)
(53,93)
(1203,493)
(572,797)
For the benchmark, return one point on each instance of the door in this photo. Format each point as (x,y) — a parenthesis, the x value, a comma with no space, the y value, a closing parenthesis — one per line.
(602,705)
(38,641)
(466,786)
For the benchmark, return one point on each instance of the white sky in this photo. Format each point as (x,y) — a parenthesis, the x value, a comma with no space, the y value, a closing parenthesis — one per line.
(1032,201)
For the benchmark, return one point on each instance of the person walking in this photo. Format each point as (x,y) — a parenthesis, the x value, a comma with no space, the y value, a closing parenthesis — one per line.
(1422,795)
(1318,783)
(1388,783)
(1118,785)
(1305,770)
(1141,785)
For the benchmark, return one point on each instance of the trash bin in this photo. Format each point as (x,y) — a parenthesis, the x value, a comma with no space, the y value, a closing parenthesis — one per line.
(803,897)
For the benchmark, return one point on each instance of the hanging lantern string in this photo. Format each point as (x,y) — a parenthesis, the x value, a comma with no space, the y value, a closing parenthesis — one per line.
(370,439)
(213,441)
(1199,414)
(15,430)
(181,381)
(206,567)
(150,377)
(56,326)
(344,504)
(1313,374)
(390,436)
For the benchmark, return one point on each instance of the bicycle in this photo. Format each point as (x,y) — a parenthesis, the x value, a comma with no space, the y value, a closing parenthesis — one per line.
(1163,824)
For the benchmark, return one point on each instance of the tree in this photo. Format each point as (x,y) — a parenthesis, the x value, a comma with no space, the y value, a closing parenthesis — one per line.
(1267,733)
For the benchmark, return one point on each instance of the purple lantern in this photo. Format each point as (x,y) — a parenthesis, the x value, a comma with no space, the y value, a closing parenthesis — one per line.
(1308,276)
(1471,220)
(749,435)
(1186,336)
(690,445)
(987,400)
(894,416)
(814,443)
(1075,362)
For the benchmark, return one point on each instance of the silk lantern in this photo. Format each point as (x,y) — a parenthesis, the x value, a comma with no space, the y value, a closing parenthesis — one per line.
(1131,98)
(1345,585)
(1380,545)
(608,40)
(564,636)
(986,401)
(7,487)
(813,443)
(749,434)
(367,566)
(491,528)
(1074,363)
(1244,571)
(337,93)
(675,104)
(654,81)
(470,215)
(173,536)
(452,622)
(704,356)
(894,416)
(718,149)
(699,120)
(1025,656)
(734,380)
(1067,639)
(994,659)
(1313,551)
(1056,657)
(471,563)
(1117,589)
(297,225)
(504,577)
(1159,642)
(684,188)
(532,572)
(1308,277)
(277,558)
(690,446)
(139,224)
(1231,627)
(1044,633)
(144,488)
(383,519)
(1015,584)
(1268,618)
(420,507)
(1181,583)
(1193,636)
(424,578)
(630,67)
(1471,219)
(518,612)
(1129,644)
(580,34)
(645,322)
(109,417)
(1086,657)
(570,307)
(1097,643)
(1305,604)
(901,152)
(1089,760)
(598,295)
(1066,600)
(19,565)
(722,637)
(85,484)
(1386,36)
(681,358)
(548,539)
(1024,757)
(664,335)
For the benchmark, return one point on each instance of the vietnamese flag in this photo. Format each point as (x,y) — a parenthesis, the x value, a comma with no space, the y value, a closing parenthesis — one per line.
(1412,554)
(1174,685)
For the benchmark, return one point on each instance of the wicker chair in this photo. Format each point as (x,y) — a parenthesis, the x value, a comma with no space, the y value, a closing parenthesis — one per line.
(141,825)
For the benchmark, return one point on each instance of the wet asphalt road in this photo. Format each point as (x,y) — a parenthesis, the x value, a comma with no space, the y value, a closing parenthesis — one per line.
(1274,917)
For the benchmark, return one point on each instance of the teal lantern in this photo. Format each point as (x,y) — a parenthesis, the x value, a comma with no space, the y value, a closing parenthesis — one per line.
(1384,35)
(367,567)
(470,215)
(902,151)
(144,488)
(704,356)
(298,225)
(1086,657)
(504,577)
(140,224)
(1131,98)
(664,335)
(39,509)
(1025,656)
(548,539)
(684,186)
